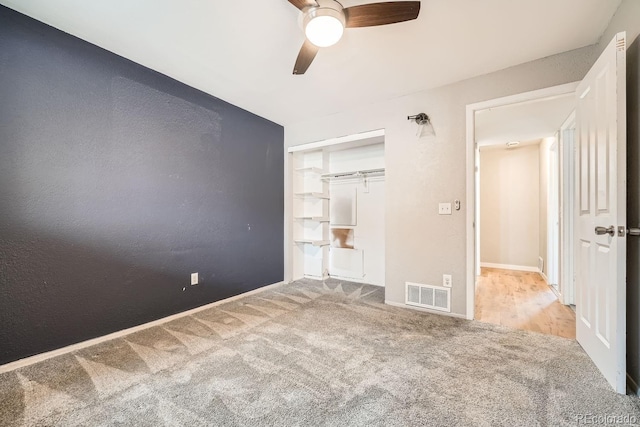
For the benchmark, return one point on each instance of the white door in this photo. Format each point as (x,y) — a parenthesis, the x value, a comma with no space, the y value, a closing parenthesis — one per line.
(600,254)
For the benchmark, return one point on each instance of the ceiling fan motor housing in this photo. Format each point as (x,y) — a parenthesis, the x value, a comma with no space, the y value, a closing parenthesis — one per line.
(326,8)
(332,4)
(324,25)
(323,11)
(324,22)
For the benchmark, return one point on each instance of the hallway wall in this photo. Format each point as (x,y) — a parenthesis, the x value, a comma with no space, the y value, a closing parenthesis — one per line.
(509,206)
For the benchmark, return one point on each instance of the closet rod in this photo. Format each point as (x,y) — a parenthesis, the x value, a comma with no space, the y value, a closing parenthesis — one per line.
(354,174)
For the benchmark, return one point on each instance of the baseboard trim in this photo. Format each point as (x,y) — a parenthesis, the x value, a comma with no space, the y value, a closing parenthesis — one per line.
(633,386)
(118,334)
(426,310)
(557,293)
(544,276)
(510,267)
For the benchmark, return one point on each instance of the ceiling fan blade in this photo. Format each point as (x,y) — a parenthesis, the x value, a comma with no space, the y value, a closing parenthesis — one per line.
(308,51)
(301,4)
(369,15)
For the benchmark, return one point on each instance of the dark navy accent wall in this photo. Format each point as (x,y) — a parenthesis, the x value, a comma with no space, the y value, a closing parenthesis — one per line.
(116,183)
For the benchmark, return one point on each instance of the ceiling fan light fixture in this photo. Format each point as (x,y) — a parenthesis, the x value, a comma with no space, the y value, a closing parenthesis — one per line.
(324,22)
(324,26)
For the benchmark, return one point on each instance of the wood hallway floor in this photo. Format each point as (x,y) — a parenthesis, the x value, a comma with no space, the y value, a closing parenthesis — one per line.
(522,300)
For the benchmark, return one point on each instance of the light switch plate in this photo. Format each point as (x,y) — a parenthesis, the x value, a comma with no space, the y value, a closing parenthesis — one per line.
(194,278)
(444,209)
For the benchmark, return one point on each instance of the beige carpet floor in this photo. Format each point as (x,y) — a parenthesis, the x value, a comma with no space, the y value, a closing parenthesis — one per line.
(313,353)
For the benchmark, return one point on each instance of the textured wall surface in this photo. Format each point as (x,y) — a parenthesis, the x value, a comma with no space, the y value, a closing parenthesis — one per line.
(420,244)
(116,183)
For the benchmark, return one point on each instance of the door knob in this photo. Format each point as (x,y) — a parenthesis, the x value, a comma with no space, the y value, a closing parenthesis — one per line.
(603,230)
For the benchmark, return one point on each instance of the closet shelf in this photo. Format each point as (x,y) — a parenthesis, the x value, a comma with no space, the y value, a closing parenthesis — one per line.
(353,174)
(310,169)
(311,195)
(312,242)
(312,218)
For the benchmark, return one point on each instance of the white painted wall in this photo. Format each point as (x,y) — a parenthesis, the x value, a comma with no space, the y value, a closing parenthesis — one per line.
(359,158)
(420,244)
(509,206)
(626,18)
(369,232)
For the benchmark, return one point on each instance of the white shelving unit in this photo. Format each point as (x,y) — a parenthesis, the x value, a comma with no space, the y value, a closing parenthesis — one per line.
(341,173)
(312,218)
(311,169)
(313,242)
(311,215)
(311,195)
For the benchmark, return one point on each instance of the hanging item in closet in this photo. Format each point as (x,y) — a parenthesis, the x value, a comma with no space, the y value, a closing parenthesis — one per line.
(342,238)
(343,205)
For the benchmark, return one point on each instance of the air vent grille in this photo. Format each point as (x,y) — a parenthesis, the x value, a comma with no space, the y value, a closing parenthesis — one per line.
(441,298)
(413,294)
(427,296)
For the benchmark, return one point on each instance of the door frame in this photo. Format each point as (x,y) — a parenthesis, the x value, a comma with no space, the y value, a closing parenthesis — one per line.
(554,184)
(566,288)
(472,223)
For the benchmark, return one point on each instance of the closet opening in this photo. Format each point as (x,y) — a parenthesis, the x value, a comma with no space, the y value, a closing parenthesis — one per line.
(338,204)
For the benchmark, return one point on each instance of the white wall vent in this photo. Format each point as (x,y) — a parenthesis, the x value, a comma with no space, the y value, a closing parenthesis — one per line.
(428,296)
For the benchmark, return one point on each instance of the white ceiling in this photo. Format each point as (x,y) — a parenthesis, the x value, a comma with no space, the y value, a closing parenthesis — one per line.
(525,121)
(244,51)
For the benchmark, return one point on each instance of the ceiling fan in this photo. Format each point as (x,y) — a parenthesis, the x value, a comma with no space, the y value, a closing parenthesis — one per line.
(325,20)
